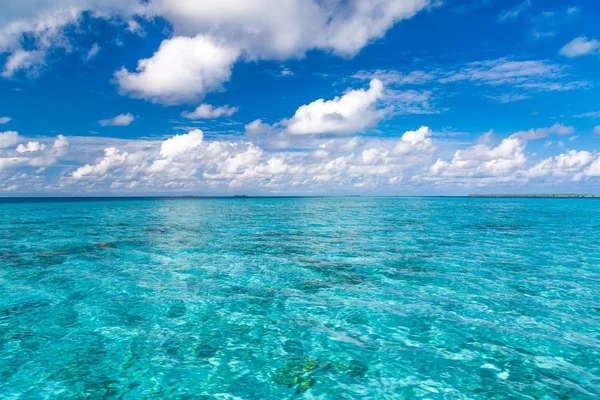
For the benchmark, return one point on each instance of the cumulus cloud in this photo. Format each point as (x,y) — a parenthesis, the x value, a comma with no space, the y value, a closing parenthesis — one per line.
(272,29)
(33,154)
(208,37)
(182,70)
(5,120)
(206,111)
(568,165)
(119,120)
(60,142)
(30,147)
(179,144)
(580,46)
(482,161)
(8,138)
(112,157)
(188,161)
(355,111)
(335,164)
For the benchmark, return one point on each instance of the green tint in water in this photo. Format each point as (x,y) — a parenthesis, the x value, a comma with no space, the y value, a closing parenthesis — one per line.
(314,298)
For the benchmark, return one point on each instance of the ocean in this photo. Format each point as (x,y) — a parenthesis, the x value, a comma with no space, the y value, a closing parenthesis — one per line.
(317,298)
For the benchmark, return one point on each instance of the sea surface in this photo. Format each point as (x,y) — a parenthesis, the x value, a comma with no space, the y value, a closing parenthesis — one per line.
(316,298)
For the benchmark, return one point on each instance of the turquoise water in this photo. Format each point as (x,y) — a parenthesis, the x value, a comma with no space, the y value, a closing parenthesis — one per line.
(300,298)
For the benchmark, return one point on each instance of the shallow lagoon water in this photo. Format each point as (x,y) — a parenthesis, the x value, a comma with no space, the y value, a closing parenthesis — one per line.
(439,298)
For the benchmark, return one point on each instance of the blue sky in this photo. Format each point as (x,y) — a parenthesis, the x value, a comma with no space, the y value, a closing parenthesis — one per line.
(307,97)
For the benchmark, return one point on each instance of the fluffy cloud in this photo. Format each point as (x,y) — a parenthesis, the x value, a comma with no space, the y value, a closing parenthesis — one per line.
(189,163)
(119,120)
(60,142)
(30,147)
(179,144)
(277,29)
(580,46)
(209,37)
(208,111)
(5,120)
(112,157)
(569,165)
(482,162)
(183,69)
(9,138)
(34,154)
(352,112)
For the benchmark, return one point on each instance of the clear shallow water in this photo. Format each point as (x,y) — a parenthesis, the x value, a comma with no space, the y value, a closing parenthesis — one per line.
(300,298)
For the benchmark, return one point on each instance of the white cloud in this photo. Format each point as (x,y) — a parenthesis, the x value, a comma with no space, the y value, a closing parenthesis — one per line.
(8,138)
(7,162)
(30,147)
(45,23)
(591,114)
(353,112)
(277,30)
(540,133)
(93,52)
(188,161)
(23,60)
(209,37)
(515,12)
(509,97)
(482,162)
(60,142)
(569,165)
(119,120)
(580,46)
(112,157)
(208,111)
(503,71)
(5,120)
(389,77)
(180,144)
(182,70)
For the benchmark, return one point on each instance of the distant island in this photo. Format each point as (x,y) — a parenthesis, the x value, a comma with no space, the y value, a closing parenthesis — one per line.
(549,195)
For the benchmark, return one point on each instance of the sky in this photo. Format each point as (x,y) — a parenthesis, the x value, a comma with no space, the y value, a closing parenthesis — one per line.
(299,97)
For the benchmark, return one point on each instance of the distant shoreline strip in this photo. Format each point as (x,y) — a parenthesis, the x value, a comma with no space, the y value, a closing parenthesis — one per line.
(551,195)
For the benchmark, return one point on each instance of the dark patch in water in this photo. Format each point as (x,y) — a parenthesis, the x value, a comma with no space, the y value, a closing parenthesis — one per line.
(177,310)
(312,286)
(105,245)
